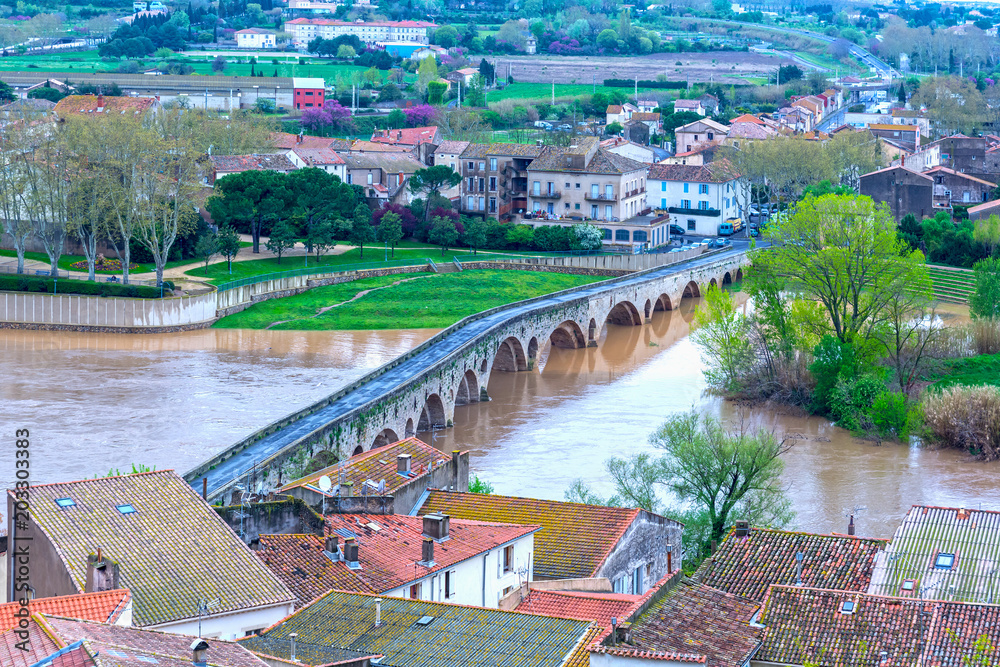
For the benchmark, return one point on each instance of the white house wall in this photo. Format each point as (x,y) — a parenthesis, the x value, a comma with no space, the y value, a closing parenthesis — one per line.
(229,626)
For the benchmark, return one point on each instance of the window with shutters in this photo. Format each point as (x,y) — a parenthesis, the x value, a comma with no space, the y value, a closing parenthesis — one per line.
(508,559)
(449,584)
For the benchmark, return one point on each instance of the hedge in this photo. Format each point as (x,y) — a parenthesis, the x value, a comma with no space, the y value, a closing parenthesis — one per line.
(629,83)
(22,283)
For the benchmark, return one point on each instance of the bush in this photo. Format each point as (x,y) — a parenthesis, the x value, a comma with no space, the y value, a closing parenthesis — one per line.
(965,418)
(892,416)
(852,399)
(16,283)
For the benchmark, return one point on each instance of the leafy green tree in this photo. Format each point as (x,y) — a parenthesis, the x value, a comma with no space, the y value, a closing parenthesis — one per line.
(219,64)
(206,248)
(346,52)
(50,94)
(723,334)
(390,230)
(431,181)
(229,244)
(587,237)
(446,36)
(985,300)
(607,39)
(396,119)
(987,232)
(264,105)
(475,232)
(844,252)
(362,231)
(480,486)
(443,233)
(282,238)
(435,92)
(614,128)
(323,236)
(250,201)
(7,93)
(520,236)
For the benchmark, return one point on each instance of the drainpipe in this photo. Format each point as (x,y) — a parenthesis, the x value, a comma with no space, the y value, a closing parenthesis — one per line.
(485,557)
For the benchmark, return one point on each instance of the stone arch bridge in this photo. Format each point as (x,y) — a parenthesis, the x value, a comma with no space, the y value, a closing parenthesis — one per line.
(420,390)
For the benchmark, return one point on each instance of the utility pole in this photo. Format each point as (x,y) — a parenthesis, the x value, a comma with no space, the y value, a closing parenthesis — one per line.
(553,92)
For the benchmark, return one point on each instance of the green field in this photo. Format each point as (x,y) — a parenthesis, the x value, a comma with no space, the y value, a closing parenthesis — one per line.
(542,92)
(978,370)
(423,301)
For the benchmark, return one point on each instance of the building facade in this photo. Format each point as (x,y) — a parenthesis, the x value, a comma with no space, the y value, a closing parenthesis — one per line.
(705,131)
(256,38)
(305,30)
(697,198)
(904,190)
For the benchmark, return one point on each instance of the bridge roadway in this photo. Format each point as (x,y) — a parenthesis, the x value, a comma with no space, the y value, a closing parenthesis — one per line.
(224,474)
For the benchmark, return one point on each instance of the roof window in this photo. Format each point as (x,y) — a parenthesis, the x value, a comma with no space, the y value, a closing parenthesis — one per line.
(944,561)
(65,502)
(847,607)
(425,620)
(125,509)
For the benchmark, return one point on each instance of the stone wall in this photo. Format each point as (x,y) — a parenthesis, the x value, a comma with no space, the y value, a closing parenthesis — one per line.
(281,517)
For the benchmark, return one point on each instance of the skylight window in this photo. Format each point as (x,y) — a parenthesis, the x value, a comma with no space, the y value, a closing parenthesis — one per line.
(847,607)
(944,561)
(908,585)
(125,509)
(65,502)
(425,620)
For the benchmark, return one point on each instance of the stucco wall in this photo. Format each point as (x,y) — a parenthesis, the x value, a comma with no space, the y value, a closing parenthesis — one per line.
(644,544)
(105,312)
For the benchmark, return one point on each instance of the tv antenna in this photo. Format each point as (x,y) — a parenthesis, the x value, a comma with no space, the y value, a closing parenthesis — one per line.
(204,606)
(850,516)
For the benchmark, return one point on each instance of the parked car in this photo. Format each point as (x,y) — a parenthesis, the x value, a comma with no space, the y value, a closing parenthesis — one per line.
(543,124)
(676,230)
(721,242)
(565,127)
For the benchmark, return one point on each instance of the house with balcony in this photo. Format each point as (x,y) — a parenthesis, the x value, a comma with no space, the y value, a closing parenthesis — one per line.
(495,179)
(697,198)
(704,131)
(585,182)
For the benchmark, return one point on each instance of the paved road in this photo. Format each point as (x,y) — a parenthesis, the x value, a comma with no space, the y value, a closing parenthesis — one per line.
(383,385)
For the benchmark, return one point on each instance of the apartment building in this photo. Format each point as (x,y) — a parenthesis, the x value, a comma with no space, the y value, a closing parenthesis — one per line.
(495,178)
(705,131)
(585,181)
(697,198)
(305,30)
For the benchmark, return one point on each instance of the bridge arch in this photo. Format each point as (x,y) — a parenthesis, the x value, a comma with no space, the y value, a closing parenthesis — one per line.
(568,335)
(408,431)
(532,350)
(648,308)
(510,356)
(468,389)
(714,282)
(432,415)
(739,274)
(358,450)
(625,313)
(727,279)
(692,290)
(384,438)
(663,303)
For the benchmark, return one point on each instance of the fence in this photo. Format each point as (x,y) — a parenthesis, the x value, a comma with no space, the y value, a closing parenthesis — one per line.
(87,312)
(73,275)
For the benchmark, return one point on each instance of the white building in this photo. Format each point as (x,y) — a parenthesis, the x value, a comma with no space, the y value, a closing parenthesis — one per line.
(304,30)
(320,158)
(256,38)
(432,558)
(698,198)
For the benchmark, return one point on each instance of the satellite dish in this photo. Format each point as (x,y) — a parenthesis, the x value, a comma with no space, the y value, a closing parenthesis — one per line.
(325,484)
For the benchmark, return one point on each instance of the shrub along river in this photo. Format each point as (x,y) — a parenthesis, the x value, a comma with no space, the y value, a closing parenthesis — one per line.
(96,403)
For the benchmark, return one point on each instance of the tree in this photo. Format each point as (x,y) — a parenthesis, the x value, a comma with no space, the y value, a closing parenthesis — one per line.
(432,180)
(87,218)
(229,244)
(346,52)
(954,104)
(426,72)
(854,154)
(985,300)
(17,227)
(282,238)
(323,236)
(987,232)
(396,119)
(251,201)
(625,26)
(435,92)
(722,333)
(614,128)
(362,231)
(587,237)
(443,233)
(845,252)
(488,72)
(206,248)
(264,105)
(446,36)
(390,230)
(475,232)
(607,39)
(219,64)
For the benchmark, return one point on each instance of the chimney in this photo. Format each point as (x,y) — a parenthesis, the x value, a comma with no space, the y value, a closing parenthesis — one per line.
(351,552)
(850,526)
(427,552)
(332,545)
(399,135)
(291,638)
(378,612)
(346,489)
(403,464)
(100,102)
(102,574)
(436,526)
(742,528)
(199,647)
(456,457)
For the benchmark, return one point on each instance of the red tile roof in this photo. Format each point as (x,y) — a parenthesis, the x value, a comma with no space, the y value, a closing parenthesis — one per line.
(585,606)
(39,646)
(396,24)
(231,164)
(378,464)
(317,156)
(288,141)
(103,607)
(389,545)
(746,566)
(88,104)
(747,118)
(637,654)
(574,541)
(409,136)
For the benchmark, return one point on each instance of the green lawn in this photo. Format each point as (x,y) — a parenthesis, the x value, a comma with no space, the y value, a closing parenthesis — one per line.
(422,302)
(981,369)
(528,93)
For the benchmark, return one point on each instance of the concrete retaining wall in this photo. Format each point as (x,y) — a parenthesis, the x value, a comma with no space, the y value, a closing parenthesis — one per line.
(105,313)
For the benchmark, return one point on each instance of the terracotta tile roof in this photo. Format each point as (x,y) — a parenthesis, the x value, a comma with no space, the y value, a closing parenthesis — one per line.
(743,130)
(687,104)
(746,566)
(604,162)
(987,206)
(456,635)
(635,654)
(171,550)
(695,619)
(614,109)
(116,646)
(74,655)
(104,607)
(407,136)
(88,104)
(449,147)
(264,161)
(365,146)
(255,31)
(378,464)
(574,541)
(32,104)
(972,536)
(40,646)
(586,606)
(475,151)
(317,156)
(581,653)
(952,172)
(391,163)
(290,141)
(646,116)
(707,123)
(691,173)
(910,171)
(806,623)
(514,150)
(387,552)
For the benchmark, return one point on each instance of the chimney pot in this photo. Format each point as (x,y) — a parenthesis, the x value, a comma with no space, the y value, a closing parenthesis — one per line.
(378,612)
(403,463)
(351,551)
(199,647)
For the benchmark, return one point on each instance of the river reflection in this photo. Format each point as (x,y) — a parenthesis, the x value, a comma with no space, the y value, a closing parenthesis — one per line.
(545,428)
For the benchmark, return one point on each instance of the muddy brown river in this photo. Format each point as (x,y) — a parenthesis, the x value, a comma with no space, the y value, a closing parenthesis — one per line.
(96,403)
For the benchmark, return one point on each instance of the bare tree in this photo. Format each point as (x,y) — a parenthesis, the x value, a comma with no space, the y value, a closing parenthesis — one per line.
(43,197)
(15,225)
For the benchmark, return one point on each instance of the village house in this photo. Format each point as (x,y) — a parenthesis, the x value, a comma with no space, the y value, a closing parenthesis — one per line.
(648,231)
(795,119)
(954,188)
(408,468)
(433,557)
(906,136)
(495,178)
(256,38)
(383,176)
(984,211)
(629,149)
(748,128)
(710,103)
(905,190)
(913,117)
(285,141)
(586,605)
(305,30)
(691,106)
(813,105)
(926,157)
(85,105)
(319,158)
(223,165)
(647,106)
(966,155)
(633,549)
(342,626)
(619,113)
(649,119)
(585,181)
(697,198)
(150,533)
(698,156)
(705,131)
(463,76)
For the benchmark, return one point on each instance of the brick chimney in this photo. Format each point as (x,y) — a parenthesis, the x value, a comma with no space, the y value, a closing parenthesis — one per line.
(199,647)
(427,552)
(102,574)
(351,552)
(403,464)
(332,545)
(436,526)
(346,489)
(100,102)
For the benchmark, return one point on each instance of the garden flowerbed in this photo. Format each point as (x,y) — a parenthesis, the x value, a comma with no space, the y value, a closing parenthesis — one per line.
(107,265)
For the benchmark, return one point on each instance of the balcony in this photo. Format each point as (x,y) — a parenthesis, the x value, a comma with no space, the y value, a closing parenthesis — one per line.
(547,194)
(512,172)
(633,193)
(707,212)
(600,197)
